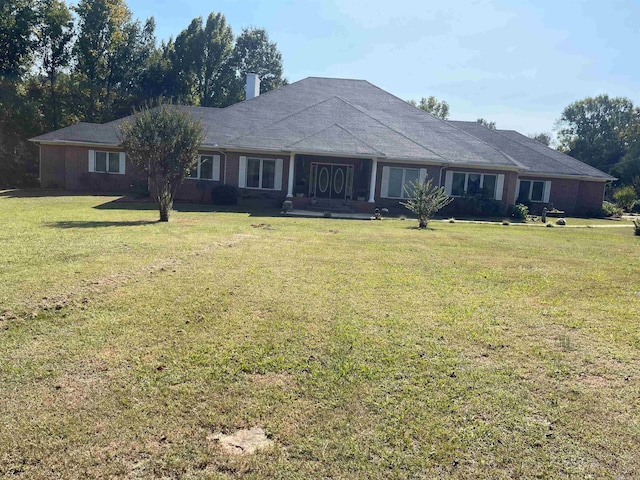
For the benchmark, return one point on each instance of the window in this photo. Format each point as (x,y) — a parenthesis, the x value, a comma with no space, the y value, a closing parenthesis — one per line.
(464,183)
(489,186)
(457,187)
(107,162)
(261,173)
(473,183)
(533,191)
(206,168)
(401,181)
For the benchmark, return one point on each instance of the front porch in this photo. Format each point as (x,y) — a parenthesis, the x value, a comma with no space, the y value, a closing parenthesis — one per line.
(334,184)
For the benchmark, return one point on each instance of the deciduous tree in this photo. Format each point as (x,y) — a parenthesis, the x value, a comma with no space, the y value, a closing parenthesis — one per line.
(543,137)
(163,142)
(201,61)
(598,130)
(432,105)
(254,52)
(17,20)
(54,35)
(487,123)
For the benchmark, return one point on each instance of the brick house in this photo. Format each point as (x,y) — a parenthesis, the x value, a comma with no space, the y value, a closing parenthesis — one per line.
(334,143)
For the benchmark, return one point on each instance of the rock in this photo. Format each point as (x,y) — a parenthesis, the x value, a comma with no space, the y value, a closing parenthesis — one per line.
(286,206)
(561,221)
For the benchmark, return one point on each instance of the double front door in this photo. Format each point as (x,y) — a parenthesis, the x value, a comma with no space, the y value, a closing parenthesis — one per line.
(331,180)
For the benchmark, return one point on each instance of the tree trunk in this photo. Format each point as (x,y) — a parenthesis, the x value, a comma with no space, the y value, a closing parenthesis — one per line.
(422,222)
(165,201)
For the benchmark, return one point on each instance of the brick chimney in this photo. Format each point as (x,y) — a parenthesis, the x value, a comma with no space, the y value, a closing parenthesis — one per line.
(252,88)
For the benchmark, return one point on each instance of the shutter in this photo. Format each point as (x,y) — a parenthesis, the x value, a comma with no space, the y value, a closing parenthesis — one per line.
(518,190)
(216,168)
(547,192)
(122,163)
(92,160)
(448,182)
(499,187)
(242,173)
(423,174)
(278,180)
(384,190)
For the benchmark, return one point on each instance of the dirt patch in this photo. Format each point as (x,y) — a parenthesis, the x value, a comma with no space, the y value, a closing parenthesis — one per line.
(330,231)
(595,381)
(243,442)
(264,226)
(80,295)
(272,379)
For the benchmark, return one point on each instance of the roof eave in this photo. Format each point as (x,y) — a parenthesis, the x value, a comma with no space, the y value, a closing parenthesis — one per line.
(75,143)
(571,177)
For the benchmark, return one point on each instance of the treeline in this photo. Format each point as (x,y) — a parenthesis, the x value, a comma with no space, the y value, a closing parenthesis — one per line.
(94,62)
(603,131)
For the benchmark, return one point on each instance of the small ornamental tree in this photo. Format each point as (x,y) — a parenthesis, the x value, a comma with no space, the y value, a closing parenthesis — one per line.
(162,142)
(425,200)
(625,197)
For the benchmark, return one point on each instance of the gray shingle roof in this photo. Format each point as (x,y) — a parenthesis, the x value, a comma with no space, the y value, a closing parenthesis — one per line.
(533,155)
(347,117)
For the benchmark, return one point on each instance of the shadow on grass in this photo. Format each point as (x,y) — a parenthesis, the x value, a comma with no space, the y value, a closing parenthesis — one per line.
(415,227)
(41,192)
(90,224)
(127,203)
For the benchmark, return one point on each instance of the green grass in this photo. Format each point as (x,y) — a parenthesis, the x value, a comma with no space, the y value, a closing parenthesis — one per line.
(364,349)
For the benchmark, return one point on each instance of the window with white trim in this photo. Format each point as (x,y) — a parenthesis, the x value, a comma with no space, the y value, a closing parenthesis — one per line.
(531,191)
(261,173)
(206,168)
(401,181)
(467,183)
(107,162)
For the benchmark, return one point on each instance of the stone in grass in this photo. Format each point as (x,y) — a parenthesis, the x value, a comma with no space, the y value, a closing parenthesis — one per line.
(243,442)
(561,221)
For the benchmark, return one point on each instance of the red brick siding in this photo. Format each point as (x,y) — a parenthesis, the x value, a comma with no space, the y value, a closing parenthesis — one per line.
(564,192)
(79,178)
(52,166)
(233,159)
(433,172)
(510,185)
(194,190)
(590,196)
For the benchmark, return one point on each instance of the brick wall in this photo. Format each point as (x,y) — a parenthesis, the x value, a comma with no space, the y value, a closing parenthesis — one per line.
(233,162)
(78,176)
(67,167)
(52,166)
(393,204)
(590,196)
(199,191)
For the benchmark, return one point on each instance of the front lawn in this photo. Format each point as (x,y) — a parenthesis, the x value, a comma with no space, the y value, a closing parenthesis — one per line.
(364,349)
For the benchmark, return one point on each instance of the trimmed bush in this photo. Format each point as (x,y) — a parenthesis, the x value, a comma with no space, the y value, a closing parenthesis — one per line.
(611,209)
(519,211)
(625,197)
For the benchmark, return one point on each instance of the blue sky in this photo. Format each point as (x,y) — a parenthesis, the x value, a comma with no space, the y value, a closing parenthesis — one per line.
(517,63)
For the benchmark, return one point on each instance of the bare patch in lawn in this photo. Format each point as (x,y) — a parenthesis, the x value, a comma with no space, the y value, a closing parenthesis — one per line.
(594,381)
(243,442)
(271,379)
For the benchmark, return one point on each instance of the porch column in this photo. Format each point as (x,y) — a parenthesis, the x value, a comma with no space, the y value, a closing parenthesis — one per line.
(292,158)
(372,184)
